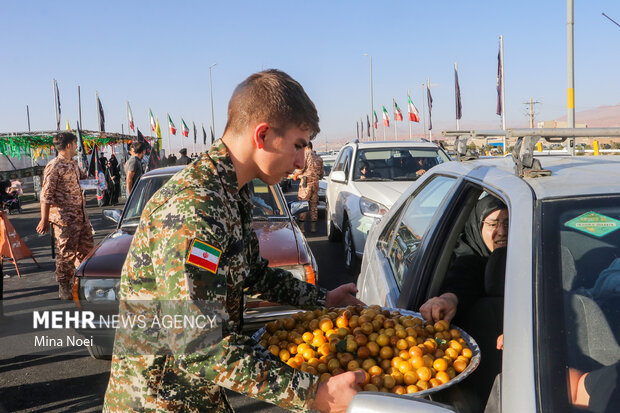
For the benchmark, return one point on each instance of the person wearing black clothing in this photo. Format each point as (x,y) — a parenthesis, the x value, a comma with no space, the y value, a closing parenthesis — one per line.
(172,160)
(474,285)
(113,180)
(183,159)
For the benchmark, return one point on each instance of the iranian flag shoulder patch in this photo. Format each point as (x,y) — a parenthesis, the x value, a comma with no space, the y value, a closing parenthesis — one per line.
(203,255)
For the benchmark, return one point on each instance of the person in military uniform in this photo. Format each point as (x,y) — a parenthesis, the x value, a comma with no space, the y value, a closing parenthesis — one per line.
(195,243)
(183,159)
(310,176)
(63,204)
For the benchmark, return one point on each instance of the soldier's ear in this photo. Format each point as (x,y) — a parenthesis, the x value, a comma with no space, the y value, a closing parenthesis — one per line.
(260,135)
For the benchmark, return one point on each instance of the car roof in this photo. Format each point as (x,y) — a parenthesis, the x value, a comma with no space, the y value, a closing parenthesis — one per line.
(168,170)
(570,175)
(393,144)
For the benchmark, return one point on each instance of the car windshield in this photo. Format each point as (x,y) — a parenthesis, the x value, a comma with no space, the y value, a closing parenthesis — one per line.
(268,201)
(580,279)
(328,163)
(395,164)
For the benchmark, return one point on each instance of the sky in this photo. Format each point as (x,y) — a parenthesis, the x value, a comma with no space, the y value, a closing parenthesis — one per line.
(157,54)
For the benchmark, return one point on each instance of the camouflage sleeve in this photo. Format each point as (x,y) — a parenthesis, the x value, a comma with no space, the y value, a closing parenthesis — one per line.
(50,181)
(280,286)
(240,364)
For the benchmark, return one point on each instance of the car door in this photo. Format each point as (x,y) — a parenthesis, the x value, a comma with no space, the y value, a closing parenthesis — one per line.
(336,188)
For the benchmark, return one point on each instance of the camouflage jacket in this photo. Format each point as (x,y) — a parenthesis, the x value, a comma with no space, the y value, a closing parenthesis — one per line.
(202,204)
(61,189)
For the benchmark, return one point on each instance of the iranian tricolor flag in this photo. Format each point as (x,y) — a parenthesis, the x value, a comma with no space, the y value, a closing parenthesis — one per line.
(171,127)
(374,118)
(184,128)
(204,255)
(414,116)
(398,115)
(152,120)
(130,116)
(386,117)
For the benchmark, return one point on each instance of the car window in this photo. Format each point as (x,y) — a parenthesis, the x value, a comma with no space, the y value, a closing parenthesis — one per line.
(144,190)
(400,240)
(343,162)
(396,163)
(580,277)
(266,200)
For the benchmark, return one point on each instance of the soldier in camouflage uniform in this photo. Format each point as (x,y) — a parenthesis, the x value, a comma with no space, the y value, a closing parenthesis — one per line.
(62,204)
(309,177)
(206,207)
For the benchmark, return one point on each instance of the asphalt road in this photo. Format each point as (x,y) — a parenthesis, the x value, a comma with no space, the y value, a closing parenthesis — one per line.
(69,379)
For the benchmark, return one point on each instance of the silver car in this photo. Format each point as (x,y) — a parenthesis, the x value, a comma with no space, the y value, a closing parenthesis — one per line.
(561,301)
(366,179)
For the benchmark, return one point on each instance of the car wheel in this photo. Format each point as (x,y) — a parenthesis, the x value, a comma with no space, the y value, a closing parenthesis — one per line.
(351,262)
(333,234)
(100,352)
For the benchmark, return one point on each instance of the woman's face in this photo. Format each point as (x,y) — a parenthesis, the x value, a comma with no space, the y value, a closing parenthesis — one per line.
(495,229)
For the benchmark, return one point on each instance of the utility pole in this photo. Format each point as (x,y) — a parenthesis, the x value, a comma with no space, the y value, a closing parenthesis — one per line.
(531,103)
(570,101)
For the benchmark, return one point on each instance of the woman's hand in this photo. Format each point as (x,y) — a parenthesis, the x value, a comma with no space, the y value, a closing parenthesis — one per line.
(438,308)
(342,296)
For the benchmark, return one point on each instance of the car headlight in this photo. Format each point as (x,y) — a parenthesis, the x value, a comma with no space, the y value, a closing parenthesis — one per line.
(100,290)
(371,208)
(302,272)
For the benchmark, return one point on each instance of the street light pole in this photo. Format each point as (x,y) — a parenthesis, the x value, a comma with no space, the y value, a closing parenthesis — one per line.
(372,105)
(211,87)
(570,102)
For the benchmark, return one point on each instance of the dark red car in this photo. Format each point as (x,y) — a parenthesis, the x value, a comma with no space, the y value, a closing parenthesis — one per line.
(97,280)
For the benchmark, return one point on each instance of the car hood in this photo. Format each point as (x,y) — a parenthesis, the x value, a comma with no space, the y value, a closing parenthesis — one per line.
(278,240)
(384,192)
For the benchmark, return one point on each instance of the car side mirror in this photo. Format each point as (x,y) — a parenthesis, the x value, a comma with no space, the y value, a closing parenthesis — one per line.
(113,215)
(297,207)
(393,403)
(338,176)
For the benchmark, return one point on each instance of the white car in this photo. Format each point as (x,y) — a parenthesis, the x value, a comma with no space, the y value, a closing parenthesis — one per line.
(356,201)
(561,297)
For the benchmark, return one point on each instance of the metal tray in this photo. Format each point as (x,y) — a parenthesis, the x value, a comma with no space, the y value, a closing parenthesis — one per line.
(473,363)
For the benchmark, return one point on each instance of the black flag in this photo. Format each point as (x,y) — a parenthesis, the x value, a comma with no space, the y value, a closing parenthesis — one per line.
(430,106)
(194,125)
(212,137)
(499,108)
(367,126)
(57,99)
(101,116)
(457,93)
(357,129)
(82,157)
(93,166)
(204,135)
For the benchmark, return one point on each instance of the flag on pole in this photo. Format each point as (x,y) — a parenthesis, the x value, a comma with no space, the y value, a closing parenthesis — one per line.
(57,100)
(212,135)
(398,115)
(157,129)
(171,127)
(357,129)
(184,128)
(457,93)
(499,108)
(374,119)
(152,120)
(430,106)
(101,116)
(82,157)
(367,126)
(386,117)
(93,165)
(130,117)
(204,135)
(194,125)
(414,115)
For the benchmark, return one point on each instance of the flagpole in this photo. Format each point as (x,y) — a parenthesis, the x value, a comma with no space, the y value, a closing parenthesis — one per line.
(211,92)
(501,48)
(410,121)
(424,108)
(430,130)
(55,103)
(127,115)
(98,111)
(80,105)
(169,143)
(458,127)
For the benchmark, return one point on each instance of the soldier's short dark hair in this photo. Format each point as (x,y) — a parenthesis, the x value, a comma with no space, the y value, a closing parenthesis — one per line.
(138,147)
(271,96)
(63,139)
(183,151)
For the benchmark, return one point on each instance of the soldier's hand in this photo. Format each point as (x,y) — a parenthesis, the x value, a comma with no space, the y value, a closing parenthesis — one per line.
(42,227)
(335,394)
(442,307)
(342,296)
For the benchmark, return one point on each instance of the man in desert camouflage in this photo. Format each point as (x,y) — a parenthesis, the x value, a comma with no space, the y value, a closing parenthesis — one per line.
(309,177)
(195,243)
(62,204)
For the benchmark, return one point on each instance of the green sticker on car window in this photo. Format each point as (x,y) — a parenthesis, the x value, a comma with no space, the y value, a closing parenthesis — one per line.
(594,224)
